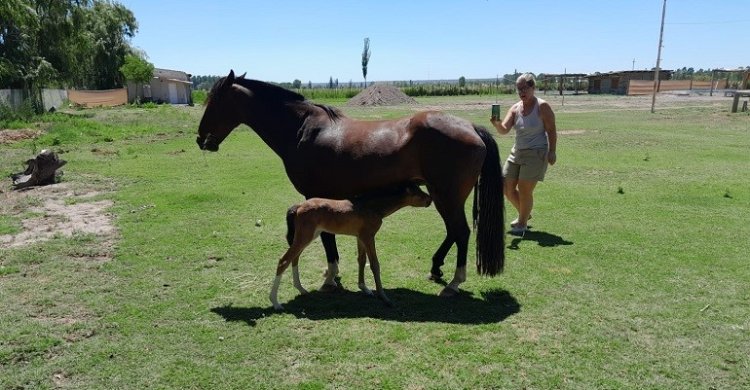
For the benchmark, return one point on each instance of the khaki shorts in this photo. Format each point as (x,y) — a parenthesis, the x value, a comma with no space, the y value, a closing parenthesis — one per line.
(526,164)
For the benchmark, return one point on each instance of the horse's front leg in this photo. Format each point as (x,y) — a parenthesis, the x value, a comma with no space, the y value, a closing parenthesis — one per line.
(362,262)
(332,257)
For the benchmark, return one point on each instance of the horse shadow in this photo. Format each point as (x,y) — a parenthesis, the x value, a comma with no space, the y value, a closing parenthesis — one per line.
(408,306)
(544,239)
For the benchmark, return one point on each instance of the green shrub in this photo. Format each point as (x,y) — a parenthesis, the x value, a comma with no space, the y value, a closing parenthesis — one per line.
(25,113)
(199,96)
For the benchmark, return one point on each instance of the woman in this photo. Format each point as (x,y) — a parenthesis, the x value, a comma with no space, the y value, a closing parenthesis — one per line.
(533,149)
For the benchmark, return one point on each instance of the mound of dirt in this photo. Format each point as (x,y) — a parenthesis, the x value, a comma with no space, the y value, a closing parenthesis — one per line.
(381,95)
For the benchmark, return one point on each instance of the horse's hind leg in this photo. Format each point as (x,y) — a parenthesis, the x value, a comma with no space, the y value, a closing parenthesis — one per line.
(438,259)
(457,230)
(362,262)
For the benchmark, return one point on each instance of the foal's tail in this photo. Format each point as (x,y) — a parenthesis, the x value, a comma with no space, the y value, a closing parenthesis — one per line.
(488,211)
(290,214)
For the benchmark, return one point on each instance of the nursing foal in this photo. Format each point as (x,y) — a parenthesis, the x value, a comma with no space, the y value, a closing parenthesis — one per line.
(360,217)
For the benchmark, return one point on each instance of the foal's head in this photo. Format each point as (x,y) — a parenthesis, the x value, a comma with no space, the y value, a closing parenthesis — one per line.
(386,201)
(413,196)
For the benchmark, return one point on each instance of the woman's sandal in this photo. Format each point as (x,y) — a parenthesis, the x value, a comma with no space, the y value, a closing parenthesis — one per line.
(515,223)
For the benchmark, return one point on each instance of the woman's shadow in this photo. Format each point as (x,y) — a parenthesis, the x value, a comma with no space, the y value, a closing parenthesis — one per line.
(544,239)
(409,306)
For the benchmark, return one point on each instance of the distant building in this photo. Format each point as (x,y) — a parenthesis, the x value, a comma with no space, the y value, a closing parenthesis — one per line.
(167,86)
(619,82)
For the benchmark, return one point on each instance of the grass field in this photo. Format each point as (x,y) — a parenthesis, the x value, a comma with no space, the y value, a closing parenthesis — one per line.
(635,274)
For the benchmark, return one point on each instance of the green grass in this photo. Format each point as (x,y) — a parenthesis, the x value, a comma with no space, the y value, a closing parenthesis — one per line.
(635,274)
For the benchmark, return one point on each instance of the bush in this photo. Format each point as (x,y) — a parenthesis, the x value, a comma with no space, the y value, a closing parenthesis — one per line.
(26,112)
(199,96)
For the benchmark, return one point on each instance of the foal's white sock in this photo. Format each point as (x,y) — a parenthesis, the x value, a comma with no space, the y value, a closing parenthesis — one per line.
(296,282)
(274,293)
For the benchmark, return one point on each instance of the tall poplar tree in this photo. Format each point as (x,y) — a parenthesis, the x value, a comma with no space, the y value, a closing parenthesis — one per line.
(365,59)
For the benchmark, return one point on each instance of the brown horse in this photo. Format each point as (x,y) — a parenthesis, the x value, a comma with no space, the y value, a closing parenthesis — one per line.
(361,218)
(329,155)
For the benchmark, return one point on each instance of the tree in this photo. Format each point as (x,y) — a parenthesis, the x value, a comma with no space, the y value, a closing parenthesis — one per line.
(462,81)
(16,19)
(365,59)
(38,41)
(65,42)
(203,82)
(137,70)
(297,84)
(109,25)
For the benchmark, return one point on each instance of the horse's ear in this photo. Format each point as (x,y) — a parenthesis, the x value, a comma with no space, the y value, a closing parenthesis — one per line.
(228,81)
(242,76)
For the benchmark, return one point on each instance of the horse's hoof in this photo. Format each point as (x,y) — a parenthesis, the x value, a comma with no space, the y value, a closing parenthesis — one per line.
(329,288)
(448,292)
(434,277)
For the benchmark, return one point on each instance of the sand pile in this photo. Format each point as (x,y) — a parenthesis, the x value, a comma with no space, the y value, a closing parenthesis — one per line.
(381,95)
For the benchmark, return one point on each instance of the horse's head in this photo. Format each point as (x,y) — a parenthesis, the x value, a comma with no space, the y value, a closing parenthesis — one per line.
(222,114)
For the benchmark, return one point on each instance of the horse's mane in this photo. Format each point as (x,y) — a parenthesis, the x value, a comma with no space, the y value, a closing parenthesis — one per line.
(332,112)
(271,92)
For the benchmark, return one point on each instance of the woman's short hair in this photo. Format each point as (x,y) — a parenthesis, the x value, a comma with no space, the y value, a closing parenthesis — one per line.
(527,78)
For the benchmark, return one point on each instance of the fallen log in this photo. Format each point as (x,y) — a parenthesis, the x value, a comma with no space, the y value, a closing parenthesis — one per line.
(41,170)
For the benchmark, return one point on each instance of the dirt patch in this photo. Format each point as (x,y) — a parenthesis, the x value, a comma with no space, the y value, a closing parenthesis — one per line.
(55,210)
(11,136)
(572,132)
(381,95)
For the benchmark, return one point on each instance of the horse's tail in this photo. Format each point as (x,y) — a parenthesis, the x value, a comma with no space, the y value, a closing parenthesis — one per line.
(290,214)
(489,210)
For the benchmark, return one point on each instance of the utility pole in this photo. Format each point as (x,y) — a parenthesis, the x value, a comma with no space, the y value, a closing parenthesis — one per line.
(633,64)
(658,56)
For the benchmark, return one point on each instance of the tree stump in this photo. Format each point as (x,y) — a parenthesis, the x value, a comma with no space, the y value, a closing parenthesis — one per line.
(40,171)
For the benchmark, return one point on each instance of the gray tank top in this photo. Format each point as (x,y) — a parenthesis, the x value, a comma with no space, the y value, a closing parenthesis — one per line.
(529,129)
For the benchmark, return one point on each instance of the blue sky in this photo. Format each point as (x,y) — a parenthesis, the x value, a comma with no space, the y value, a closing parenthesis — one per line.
(283,40)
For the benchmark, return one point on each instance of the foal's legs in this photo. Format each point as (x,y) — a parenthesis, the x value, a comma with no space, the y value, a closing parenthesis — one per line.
(362,262)
(295,276)
(369,243)
(302,239)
